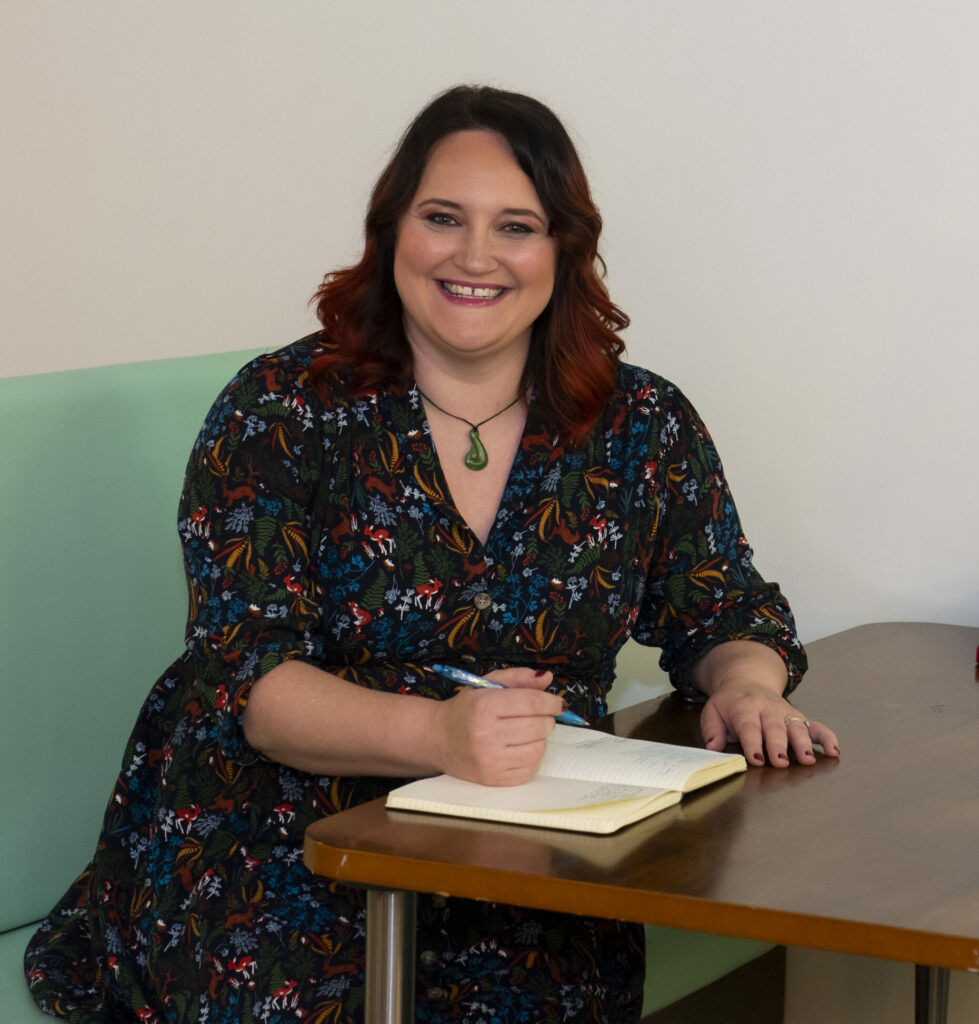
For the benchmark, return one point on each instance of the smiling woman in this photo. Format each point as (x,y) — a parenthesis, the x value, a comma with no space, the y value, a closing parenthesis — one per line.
(343,532)
(540,190)
(474,260)
(474,265)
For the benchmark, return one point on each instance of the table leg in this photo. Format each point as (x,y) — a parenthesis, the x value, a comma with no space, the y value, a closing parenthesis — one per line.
(930,994)
(390,967)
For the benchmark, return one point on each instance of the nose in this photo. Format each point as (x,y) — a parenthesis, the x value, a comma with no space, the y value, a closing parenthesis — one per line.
(476,253)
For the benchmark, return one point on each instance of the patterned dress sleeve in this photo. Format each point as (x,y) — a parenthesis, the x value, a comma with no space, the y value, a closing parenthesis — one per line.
(245,527)
(702,587)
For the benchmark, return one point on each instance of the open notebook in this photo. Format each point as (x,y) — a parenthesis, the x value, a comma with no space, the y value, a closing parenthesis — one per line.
(588,782)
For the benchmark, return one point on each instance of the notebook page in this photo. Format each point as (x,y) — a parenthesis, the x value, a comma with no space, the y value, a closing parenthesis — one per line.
(582,754)
(539,794)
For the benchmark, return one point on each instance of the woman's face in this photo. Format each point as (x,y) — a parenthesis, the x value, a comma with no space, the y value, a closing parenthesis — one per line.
(474,261)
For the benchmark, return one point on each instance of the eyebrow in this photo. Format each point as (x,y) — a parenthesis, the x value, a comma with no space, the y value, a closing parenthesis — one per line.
(510,211)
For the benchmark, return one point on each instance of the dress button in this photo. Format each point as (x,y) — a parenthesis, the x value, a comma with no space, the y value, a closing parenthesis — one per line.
(437,994)
(428,957)
(482,601)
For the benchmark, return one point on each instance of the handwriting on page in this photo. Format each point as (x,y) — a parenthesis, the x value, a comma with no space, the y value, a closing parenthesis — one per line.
(615,759)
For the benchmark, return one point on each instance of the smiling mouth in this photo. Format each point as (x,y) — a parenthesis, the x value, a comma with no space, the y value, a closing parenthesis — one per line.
(466,291)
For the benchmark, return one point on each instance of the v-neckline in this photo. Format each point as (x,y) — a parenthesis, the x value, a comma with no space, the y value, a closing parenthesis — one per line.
(520,479)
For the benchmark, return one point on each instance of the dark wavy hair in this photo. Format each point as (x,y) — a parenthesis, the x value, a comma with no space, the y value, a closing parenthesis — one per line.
(575,349)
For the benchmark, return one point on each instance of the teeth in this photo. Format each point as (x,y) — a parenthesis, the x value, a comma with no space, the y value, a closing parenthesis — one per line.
(464,291)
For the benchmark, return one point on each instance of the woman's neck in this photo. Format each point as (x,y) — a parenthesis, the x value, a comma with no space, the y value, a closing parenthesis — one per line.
(473,388)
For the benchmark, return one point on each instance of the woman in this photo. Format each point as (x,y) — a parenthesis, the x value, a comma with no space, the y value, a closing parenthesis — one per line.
(457,468)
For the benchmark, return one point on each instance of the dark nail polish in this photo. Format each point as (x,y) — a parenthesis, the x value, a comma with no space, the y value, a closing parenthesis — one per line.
(541,672)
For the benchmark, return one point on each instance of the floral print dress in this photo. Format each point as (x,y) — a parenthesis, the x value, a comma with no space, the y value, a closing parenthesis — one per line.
(323,530)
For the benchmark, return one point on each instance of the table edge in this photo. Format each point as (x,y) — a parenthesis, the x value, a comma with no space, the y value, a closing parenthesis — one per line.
(788,928)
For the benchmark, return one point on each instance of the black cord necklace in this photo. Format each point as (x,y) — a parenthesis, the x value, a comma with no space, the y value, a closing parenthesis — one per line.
(476,458)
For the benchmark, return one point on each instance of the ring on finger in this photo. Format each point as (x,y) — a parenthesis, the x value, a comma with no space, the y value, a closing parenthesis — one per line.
(796,718)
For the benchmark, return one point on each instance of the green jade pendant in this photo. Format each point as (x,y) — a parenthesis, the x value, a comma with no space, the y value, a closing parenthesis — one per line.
(476,458)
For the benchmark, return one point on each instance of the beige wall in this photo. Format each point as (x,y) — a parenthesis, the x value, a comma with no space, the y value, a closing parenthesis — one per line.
(789,189)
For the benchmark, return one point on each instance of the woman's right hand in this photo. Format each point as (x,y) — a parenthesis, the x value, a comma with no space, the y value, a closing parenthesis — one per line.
(497,737)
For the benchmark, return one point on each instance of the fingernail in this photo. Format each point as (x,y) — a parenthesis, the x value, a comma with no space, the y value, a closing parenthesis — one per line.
(541,672)
(783,757)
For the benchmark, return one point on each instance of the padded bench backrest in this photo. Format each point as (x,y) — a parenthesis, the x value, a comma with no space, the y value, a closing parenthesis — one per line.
(92,596)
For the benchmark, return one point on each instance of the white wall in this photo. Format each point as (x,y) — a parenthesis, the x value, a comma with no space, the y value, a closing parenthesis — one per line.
(789,189)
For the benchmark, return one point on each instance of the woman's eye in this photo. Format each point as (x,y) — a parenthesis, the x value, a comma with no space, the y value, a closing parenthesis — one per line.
(516,228)
(441,219)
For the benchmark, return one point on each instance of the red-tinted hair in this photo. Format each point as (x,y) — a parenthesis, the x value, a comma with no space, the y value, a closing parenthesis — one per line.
(574,351)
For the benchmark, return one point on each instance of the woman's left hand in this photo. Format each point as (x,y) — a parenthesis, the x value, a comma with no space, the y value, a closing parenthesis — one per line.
(762,722)
(744,681)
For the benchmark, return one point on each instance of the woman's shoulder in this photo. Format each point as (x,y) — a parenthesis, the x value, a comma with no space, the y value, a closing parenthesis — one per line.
(654,407)
(637,385)
(293,375)
(287,369)
(272,390)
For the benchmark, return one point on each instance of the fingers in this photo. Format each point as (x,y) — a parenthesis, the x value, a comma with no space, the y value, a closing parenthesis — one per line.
(712,727)
(764,724)
(522,678)
(496,737)
(520,701)
(825,737)
(726,721)
(521,766)
(802,734)
(797,736)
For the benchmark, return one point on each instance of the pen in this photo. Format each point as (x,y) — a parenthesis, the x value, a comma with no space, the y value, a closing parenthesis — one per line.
(459,675)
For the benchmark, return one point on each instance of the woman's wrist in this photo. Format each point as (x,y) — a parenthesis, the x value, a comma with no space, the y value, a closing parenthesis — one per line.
(745,663)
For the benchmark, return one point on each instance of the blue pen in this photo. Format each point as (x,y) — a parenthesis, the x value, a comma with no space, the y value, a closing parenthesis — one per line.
(459,675)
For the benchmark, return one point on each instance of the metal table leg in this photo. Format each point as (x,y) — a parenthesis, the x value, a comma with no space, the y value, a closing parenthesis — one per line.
(930,994)
(390,967)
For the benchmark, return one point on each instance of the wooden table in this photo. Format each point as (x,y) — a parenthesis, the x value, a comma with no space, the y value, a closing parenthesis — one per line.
(875,854)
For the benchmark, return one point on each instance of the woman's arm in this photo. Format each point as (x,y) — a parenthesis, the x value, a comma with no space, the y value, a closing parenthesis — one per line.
(250,517)
(744,681)
(314,721)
